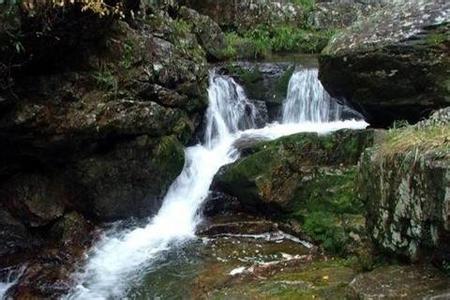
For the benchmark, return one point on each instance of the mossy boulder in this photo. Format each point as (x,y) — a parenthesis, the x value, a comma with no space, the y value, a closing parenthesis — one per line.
(277,169)
(308,178)
(246,14)
(403,182)
(393,65)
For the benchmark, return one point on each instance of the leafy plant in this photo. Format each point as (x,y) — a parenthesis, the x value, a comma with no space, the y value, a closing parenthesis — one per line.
(106,80)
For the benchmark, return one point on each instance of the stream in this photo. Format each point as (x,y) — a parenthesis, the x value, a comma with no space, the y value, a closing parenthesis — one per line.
(157,259)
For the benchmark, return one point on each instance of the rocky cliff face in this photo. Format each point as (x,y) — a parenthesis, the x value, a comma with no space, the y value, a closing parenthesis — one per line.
(102,133)
(394,65)
(408,203)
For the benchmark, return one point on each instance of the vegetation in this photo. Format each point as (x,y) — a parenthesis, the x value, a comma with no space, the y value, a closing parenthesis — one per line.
(99,7)
(264,40)
(416,138)
(329,209)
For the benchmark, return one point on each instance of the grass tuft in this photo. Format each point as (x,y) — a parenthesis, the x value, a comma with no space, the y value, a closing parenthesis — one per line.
(414,138)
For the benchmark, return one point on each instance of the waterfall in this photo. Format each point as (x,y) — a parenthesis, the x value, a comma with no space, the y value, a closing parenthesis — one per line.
(308,101)
(12,276)
(122,257)
(229,109)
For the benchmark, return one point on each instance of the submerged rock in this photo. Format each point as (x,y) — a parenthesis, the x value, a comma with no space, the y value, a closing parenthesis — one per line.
(393,65)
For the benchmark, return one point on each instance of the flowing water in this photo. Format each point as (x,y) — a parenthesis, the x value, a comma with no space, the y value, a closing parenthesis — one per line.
(12,276)
(308,101)
(123,257)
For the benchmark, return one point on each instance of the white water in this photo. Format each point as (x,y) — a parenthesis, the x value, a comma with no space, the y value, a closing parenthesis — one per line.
(11,279)
(122,257)
(308,101)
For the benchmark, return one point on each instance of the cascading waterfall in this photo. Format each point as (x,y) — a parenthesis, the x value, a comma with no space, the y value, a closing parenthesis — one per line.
(122,257)
(308,101)
(229,109)
(12,277)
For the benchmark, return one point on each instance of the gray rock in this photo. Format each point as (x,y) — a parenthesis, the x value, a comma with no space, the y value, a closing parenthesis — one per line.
(394,64)
(408,205)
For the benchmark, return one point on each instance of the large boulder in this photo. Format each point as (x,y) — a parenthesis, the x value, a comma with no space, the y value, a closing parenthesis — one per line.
(129,180)
(276,172)
(307,179)
(404,184)
(333,14)
(112,129)
(393,65)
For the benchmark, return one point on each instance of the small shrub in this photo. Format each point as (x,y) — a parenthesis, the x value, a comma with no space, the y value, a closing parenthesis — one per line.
(106,80)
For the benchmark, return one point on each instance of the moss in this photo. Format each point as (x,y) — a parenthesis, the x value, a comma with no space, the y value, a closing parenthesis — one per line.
(318,279)
(307,5)
(169,156)
(329,208)
(283,83)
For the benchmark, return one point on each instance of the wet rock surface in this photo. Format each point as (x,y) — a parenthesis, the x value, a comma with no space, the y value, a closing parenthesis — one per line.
(266,81)
(401,282)
(394,64)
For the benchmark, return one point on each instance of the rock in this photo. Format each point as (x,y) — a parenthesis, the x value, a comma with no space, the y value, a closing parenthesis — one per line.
(394,64)
(14,235)
(130,179)
(266,82)
(35,199)
(72,229)
(340,14)
(104,128)
(208,33)
(407,207)
(219,203)
(271,177)
(405,282)
(246,14)
(253,227)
